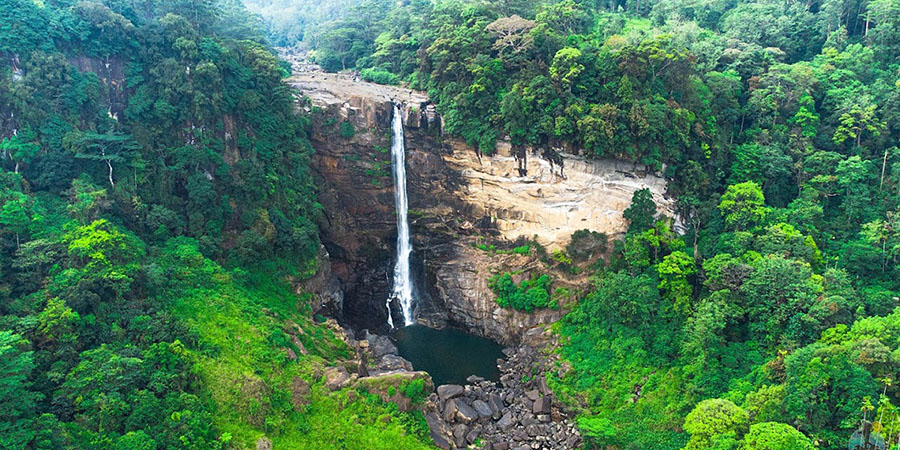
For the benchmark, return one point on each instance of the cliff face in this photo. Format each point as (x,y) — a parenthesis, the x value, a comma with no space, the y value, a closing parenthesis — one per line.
(351,137)
(456,196)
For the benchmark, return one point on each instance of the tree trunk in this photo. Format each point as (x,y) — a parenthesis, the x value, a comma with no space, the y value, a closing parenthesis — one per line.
(696,238)
(883,165)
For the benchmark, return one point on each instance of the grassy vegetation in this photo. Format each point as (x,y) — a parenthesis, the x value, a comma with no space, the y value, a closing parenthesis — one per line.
(379,76)
(244,330)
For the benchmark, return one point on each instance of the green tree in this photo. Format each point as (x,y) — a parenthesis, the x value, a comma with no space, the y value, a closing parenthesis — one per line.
(135,440)
(642,211)
(775,436)
(779,294)
(675,272)
(743,205)
(105,253)
(712,418)
(859,119)
(14,216)
(17,402)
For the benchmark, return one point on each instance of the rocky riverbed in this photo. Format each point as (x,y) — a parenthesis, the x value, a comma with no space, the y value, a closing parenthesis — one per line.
(519,412)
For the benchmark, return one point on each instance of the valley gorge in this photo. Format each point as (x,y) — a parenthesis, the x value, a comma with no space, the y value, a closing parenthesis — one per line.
(457,198)
(454,224)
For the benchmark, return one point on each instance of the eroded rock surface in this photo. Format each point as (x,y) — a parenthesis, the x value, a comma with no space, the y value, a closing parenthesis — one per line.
(530,197)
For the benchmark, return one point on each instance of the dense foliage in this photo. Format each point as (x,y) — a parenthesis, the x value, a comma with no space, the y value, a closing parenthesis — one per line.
(154,192)
(154,200)
(777,124)
(527,295)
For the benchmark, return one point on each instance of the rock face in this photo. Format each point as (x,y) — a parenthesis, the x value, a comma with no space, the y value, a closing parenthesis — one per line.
(351,137)
(325,286)
(455,194)
(462,282)
(525,195)
(513,414)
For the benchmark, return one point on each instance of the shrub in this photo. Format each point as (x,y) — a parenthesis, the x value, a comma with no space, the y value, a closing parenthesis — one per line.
(585,244)
(522,250)
(528,295)
(486,247)
(347,130)
(379,76)
(414,390)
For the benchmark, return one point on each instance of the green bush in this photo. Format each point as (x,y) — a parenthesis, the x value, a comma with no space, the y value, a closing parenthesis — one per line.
(486,247)
(347,130)
(379,76)
(585,244)
(528,295)
(522,249)
(414,390)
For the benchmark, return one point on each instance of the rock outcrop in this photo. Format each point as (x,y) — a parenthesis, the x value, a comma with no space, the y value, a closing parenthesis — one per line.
(379,369)
(462,282)
(324,286)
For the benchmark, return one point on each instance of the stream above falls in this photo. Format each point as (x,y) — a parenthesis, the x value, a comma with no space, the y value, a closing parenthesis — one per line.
(448,355)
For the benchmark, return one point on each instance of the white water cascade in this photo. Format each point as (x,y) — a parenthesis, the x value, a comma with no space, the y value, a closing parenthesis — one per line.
(402,282)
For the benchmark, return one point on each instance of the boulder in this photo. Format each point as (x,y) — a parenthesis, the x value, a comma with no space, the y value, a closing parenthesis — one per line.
(532,395)
(543,386)
(465,413)
(439,431)
(448,391)
(484,411)
(474,379)
(541,405)
(496,406)
(393,363)
(506,422)
(535,430)
(336,378)
(264,443)
(573,441)
(472,435)
(380,345)
(449,411)
(299,393)
(459,434)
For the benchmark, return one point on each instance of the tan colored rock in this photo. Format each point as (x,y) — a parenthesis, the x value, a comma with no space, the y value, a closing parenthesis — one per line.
(550,202)
(336,378)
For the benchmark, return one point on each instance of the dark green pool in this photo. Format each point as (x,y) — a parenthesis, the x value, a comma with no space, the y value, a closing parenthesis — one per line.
(449,355)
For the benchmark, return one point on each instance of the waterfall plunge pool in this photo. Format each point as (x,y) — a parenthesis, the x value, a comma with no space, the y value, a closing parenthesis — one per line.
(448,355)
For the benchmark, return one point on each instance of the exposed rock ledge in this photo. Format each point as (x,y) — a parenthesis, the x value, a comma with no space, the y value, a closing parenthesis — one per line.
(536,199)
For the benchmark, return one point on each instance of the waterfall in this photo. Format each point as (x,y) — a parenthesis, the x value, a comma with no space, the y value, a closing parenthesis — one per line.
(402,283)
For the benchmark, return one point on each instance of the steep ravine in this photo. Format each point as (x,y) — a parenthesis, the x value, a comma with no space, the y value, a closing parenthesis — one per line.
(456,196)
